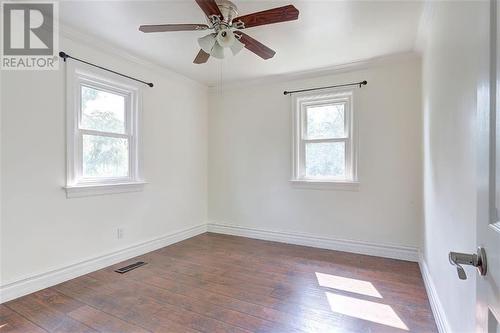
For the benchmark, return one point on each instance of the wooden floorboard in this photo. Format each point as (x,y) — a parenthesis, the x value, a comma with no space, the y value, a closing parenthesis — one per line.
(11,321)
(219,283)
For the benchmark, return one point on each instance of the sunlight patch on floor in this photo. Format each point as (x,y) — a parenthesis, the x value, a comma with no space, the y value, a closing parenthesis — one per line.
(366,310)
(347,284)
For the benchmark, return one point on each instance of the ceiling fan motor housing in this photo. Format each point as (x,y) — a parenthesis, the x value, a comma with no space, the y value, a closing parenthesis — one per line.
(228,10)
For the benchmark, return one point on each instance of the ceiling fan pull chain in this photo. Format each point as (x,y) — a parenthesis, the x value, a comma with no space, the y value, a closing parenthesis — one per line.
(220,79)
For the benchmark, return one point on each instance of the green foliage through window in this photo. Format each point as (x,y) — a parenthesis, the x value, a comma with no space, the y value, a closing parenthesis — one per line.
(103,156)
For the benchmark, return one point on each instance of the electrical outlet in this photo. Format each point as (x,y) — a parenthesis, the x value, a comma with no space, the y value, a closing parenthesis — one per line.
(119,233)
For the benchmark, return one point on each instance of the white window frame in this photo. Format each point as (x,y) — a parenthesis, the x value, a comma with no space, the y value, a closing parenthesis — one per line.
(300,104)
(79,75)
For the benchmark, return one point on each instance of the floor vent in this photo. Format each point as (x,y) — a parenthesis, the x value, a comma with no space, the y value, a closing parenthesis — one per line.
(130,267)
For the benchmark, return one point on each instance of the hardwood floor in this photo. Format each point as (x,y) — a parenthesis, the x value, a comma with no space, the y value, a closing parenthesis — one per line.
(220,283)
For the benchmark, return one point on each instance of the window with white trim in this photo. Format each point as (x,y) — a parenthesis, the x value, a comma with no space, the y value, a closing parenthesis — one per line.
(324,145)
(102,133)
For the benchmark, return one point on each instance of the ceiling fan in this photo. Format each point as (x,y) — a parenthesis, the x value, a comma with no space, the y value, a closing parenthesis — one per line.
(226,25)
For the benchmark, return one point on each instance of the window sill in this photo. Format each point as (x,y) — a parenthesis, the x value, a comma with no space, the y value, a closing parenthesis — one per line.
(325,185)
(86,190)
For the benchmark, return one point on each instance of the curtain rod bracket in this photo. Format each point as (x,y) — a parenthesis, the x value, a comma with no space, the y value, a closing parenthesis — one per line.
(65,56)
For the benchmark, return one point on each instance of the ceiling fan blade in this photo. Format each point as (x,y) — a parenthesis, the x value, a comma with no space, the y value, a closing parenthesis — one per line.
(209,7)
(201,58)
(255,46)
(275,15)
(172,27)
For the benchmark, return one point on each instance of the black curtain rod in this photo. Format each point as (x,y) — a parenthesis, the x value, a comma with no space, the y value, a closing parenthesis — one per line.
(66,56)
(362,83)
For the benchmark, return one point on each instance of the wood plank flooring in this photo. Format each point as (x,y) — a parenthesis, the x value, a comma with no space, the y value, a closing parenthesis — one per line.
(219,283)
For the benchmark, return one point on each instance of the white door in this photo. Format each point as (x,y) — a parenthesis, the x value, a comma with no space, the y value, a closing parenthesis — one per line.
(488,221)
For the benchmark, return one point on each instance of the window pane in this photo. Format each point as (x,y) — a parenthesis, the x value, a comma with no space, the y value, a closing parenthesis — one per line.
(326,121)
(105,157)
(326,159)
(102,111)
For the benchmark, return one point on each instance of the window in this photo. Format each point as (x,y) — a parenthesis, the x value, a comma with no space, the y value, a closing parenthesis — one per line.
(102,133)
(324,145)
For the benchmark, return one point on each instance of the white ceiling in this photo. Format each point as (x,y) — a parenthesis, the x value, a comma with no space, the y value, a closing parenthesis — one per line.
(327,33)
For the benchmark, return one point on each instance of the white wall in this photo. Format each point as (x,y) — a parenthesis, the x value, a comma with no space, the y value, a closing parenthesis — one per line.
(250,159)
(41,230)
(455,49)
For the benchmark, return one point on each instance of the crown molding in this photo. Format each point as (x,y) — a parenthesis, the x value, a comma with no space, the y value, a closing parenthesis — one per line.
(68,32)
(321,72)
(95,42)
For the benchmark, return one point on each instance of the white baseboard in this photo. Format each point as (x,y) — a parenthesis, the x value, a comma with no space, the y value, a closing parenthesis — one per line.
(372,249)
(51,278)
(436,306)
(31,284)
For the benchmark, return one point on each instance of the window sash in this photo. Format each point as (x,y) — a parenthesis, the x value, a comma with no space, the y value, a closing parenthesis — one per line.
(95,180)
(347,159)
(304,109)
(105,88)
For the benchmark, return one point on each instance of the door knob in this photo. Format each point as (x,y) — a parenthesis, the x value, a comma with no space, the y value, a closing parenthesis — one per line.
(477,260)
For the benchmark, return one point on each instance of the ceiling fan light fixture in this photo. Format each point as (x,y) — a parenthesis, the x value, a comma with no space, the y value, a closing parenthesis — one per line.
(217,51)
(207,42)
(237,46)
(225,38)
